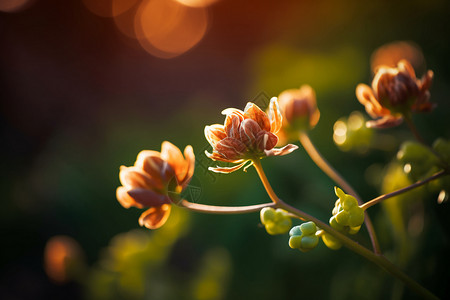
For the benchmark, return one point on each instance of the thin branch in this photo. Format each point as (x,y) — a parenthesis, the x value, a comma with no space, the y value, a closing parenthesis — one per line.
(403,190)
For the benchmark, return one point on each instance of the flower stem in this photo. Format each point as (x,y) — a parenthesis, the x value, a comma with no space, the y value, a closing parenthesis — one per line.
(325,166)
(265,181)
(223,210)
(402,190)
(412,127)
(375,258)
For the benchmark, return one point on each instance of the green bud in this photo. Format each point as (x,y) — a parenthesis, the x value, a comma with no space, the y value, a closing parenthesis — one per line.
(335,224)
(331,242)
(267,214)
(308,228)
(354,230)
(342,218)
(309,242)
(356,216)
(348,202)
(295,242)
(340,193)
(272,228)
(284,225)
(295,231)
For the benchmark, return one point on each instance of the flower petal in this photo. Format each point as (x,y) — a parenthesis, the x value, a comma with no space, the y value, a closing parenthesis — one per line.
(133,177)
(231,126)
(252,111)
(155,217)
(266,140)
(275,117)
(229,111)
(172,154)
(366,97)
(147,198)
(214,133)
(126,200)
(231,148)
(156,168)
(142,156)
(190,162)
(248,131)
(385,122)
(281,151)
(404,66)
(216,156)
(227,170)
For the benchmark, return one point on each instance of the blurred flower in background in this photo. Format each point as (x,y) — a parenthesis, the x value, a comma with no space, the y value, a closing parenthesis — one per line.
(64,259)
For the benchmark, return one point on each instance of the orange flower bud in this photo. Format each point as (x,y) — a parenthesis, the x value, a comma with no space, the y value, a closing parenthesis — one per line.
(153,176)
(245,135)
(299,110)
(395,93)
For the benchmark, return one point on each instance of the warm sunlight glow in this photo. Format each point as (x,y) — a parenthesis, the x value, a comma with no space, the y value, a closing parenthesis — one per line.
(196,3)
(167,29)
(109,8)
(13,5)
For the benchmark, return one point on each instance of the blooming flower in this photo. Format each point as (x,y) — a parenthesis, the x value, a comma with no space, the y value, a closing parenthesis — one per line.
(395,93)
(151,179)
(246,135)
(299,110)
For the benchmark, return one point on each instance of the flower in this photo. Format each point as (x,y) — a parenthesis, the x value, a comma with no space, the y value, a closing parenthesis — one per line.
(246,135)
(151,179)
(299,110)
(394,94)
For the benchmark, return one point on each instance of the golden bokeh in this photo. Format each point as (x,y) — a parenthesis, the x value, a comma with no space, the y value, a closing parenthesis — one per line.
(167,29)
(196,3)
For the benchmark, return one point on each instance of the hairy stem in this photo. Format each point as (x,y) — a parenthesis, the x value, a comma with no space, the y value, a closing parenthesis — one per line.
(402,190)
(375,258)
(325,166)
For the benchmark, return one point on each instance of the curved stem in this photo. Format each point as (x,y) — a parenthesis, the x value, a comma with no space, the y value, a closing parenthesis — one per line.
(325,166)
(223,210)
(376,258)
(265,181)
(403,190)
(412,127)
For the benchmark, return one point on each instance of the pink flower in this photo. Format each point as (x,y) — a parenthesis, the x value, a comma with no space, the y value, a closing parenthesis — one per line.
(395,93)
(246,135)
(151,179)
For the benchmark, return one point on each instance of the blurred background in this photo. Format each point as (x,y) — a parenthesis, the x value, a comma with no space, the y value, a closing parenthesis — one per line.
(86,84)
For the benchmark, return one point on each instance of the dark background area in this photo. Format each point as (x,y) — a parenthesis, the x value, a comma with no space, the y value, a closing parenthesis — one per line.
(79,99)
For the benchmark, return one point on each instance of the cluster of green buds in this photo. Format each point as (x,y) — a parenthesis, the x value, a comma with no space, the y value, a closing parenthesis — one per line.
(347,218)
(347,215)
(276,221)
(303,237)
